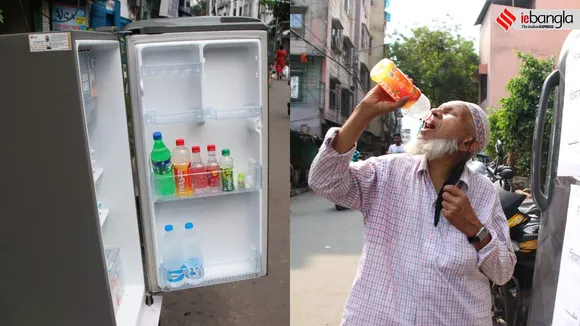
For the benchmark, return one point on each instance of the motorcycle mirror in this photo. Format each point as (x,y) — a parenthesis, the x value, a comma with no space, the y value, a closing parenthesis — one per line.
(498,148)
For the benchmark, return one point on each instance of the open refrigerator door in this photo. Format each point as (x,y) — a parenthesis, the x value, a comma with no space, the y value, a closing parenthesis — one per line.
(100,77)
(199,92)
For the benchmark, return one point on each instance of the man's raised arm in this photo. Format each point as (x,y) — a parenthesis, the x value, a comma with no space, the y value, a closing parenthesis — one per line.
(331,174)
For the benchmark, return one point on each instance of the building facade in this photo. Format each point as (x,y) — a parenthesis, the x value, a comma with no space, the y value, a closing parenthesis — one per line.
(498,63)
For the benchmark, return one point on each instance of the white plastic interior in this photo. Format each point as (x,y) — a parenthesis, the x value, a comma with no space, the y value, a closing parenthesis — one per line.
(105,115)
(208,92)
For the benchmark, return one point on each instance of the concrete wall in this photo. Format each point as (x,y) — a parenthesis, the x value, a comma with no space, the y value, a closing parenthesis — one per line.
(498,47)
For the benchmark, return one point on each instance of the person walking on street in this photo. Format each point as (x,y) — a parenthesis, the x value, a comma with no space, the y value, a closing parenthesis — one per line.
(430,249)
(397,147)
(280,61)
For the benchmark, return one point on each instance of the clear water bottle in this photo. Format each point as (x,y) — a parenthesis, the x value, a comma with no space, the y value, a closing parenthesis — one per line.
(173,259)
(192,255)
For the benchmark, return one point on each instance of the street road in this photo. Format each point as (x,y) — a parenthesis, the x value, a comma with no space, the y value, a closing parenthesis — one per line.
(324,253)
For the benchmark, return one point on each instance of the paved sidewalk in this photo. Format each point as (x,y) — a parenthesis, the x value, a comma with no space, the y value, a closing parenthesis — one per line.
(325,247)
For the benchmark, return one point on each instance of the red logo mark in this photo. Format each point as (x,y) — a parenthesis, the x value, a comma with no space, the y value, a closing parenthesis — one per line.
(506,19)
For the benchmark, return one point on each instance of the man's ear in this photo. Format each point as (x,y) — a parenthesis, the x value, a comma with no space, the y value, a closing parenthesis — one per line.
(468,145)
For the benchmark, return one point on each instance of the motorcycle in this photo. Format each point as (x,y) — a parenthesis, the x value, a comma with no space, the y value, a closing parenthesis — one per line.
(355,157)
(511,300)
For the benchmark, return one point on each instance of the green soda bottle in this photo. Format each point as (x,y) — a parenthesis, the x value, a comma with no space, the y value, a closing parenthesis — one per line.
(227,169)
(162,168)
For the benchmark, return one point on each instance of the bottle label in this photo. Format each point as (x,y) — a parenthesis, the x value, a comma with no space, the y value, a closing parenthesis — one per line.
(213,176)
(162,168)
(194,269)
(183,180)
(200,178)
(227,179)
(175,275)
(399,86)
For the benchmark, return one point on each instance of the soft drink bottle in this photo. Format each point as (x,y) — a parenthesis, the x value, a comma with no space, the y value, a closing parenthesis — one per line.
(161,166)
(392,80)
(192,255)
(227,169)
(198,171)
(181,163)
(172,257)
(213,169)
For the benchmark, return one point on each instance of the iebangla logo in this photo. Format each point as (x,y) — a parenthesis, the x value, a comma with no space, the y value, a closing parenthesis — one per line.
(506,19)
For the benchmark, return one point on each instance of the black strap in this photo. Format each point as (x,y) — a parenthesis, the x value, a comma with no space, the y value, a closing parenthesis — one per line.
(451,180)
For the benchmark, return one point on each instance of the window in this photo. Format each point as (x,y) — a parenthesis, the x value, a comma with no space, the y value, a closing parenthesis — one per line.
(297,15)
(365,37)
(346,102)
(482,88)
(296,86)
(365,77)
(336,41)
(347,53)
(334,93)
(347,4)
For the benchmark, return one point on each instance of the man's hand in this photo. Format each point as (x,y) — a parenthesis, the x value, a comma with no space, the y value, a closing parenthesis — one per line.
(378,103)
(458,211)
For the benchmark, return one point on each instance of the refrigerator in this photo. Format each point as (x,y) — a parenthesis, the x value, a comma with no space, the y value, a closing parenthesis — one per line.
(83,225)
(556,281)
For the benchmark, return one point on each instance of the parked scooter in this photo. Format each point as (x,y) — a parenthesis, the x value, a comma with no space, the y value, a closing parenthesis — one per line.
(511,300)
(355,157)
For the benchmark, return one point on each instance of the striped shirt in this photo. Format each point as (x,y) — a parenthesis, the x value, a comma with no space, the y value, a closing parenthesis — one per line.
(411,272)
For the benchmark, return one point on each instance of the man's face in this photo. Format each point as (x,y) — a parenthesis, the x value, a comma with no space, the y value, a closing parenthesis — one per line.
(398,140)
(448,129)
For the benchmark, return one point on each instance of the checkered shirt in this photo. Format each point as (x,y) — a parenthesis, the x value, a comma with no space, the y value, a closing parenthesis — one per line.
(411,272)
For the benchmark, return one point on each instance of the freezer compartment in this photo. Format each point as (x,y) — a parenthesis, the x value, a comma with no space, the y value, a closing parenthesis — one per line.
(216,273)
(243,181)
(101,83)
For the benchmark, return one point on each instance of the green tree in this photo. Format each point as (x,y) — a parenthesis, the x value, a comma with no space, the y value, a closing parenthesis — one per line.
(280,9)
(199,8)
(441,62)
(515,119)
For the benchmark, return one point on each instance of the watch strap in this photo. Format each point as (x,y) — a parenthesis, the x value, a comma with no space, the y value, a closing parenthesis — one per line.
(480,236)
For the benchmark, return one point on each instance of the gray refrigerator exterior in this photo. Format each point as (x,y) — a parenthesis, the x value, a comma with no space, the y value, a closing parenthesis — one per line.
(169,30)
(552,197)
(53,269)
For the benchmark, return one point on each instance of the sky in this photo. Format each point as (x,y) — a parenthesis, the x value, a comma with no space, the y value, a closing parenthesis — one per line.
(409,13)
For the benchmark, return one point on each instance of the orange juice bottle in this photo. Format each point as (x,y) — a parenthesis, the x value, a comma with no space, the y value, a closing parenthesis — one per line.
(181,160)
(397,85)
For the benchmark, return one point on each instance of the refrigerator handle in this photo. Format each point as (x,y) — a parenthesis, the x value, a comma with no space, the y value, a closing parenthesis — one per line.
(540,198)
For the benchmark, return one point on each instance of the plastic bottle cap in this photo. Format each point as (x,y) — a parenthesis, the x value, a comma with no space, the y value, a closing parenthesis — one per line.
(225,152)
(188,225)
(169,228)
(157,135)
(210,147)
(195,149)
(179,142)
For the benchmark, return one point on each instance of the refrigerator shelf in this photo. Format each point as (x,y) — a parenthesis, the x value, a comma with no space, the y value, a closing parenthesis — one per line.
(97,173)
(221,273)
(171,69)
(103,214)
(203,195)
(198,115)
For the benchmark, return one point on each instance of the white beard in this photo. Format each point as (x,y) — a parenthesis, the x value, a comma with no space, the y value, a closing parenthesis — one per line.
(432,148)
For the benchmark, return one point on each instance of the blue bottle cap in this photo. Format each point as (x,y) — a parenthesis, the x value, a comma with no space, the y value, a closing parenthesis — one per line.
(157,135)
(169,227)
(188,225)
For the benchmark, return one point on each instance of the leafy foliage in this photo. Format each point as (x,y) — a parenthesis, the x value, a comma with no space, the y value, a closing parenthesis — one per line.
(514,121)
(1,17)
(280,9)
(199,9)
(441,62)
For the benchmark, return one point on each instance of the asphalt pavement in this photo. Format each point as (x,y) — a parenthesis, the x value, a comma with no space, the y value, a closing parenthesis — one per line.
(325,249)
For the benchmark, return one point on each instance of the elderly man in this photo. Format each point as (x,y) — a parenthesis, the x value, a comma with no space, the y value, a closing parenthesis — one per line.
(430,249)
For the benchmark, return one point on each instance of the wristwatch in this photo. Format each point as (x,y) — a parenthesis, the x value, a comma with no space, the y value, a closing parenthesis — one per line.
(479,236)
